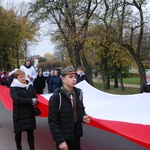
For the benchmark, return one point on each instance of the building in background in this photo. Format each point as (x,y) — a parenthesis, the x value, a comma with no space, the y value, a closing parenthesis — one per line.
(35,59)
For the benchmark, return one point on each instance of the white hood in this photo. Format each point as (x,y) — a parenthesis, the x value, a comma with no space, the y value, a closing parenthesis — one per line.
(17,83)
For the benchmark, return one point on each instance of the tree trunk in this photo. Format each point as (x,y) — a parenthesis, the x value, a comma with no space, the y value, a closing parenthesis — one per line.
(121,80)
(103,79)
(77,55)
(17,55)
(107,81)
(116,78)
(107,75)
(103,73)
(88,69)
(138,62)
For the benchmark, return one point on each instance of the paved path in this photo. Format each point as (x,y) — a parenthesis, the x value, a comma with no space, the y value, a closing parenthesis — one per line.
(93,138)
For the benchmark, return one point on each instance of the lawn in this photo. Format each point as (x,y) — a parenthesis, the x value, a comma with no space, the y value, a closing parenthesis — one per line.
(112,90)
(130,80)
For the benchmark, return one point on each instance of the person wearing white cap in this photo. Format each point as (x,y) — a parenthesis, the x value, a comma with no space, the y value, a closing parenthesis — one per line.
(29,70)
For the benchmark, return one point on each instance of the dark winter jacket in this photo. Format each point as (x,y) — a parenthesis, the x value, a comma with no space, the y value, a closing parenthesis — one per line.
(48,83)
(39,84)
(10,79)
(145,88)
(55,82)
(61,118)
(4,79)
(48,79)
(81,78)
(23,110)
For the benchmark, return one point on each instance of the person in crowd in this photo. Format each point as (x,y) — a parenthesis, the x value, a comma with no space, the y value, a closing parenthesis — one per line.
(39,83)
(11,76)
(48,80)
(30,71)
(81,75)
(96,73)
(145,88)
(24,99)
(66,113)
(55,81)
(4,78)
(0,76)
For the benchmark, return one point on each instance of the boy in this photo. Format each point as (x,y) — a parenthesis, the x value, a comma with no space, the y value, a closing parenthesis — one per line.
(66,113)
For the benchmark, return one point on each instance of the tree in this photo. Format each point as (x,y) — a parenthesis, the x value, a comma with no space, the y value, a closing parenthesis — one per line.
(133,28)
(48,56)
(49,65)
(120,22)
(72,19)
(42,59)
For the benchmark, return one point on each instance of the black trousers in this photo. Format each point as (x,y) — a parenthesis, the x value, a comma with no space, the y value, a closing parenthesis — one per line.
(73,145)
(30,138)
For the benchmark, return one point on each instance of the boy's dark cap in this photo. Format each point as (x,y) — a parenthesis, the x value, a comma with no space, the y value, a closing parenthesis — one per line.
(68,70)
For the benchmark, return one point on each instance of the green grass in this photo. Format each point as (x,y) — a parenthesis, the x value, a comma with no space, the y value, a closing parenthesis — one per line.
(129,80)
(112,90)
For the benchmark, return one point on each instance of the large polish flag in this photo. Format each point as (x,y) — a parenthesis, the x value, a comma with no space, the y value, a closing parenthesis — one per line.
(126,115)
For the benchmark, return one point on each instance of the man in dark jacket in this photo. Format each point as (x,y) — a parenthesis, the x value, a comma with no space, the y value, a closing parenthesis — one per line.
(55,81)
(66,113)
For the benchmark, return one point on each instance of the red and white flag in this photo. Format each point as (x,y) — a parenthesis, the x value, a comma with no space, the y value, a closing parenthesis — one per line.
(126,115)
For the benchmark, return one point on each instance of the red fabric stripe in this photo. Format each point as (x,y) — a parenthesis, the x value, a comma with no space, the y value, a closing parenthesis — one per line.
(137,133)
(5,97)
(7,101)
(43,106)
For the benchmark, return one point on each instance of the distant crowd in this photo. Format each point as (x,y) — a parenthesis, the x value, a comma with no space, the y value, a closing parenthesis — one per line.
(38,78)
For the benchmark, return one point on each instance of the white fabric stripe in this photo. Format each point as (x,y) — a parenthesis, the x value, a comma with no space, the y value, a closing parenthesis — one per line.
(133,108)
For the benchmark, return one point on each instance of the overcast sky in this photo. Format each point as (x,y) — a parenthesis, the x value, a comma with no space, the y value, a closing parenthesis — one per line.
(45,46)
